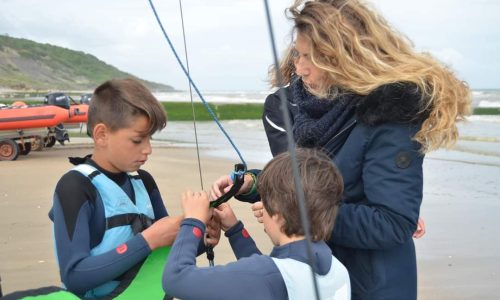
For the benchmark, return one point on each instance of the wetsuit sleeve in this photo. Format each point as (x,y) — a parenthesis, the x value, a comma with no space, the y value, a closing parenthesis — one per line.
(159,208)
(241,242)
(257,275)
(393,183)
(79,226)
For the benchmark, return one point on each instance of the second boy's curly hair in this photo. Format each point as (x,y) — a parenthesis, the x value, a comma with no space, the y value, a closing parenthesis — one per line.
(323,187)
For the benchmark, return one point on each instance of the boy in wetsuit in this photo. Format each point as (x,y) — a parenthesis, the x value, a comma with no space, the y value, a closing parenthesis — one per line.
(285,272)
(108,213)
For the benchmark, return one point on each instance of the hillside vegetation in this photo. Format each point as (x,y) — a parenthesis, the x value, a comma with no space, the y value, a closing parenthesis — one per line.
(28,65)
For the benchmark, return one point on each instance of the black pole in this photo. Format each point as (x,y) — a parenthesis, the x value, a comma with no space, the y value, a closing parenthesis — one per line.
(291,148)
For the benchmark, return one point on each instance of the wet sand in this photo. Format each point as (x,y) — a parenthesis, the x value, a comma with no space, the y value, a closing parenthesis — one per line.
(26,187)
(458,258)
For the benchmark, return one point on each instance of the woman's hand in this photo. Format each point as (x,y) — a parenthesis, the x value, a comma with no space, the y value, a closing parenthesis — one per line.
(221,186)
(258,211)
(420,229)
(224,184)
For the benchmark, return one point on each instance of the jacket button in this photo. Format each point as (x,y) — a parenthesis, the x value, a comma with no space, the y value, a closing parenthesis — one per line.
(403,159)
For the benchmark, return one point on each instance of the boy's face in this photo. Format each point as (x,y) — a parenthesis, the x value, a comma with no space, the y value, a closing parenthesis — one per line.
(272,226)
(126,149)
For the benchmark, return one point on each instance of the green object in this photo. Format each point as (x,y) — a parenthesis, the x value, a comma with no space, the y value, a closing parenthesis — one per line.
(182,111)
(68,69)
(487,111)
(60,295)
(147,284)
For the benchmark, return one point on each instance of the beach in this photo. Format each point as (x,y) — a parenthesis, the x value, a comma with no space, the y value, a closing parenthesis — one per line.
(458,258)
(26,186)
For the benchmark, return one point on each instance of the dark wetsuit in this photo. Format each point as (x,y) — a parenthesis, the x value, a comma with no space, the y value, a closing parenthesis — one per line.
(79,226)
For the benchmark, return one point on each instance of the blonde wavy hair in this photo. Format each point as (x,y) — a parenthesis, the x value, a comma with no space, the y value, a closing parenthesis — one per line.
(359,51)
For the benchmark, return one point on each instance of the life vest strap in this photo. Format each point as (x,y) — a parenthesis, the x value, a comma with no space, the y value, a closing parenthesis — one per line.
(138,222)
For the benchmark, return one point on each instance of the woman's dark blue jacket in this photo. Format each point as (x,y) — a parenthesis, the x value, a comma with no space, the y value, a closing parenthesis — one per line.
(383,182)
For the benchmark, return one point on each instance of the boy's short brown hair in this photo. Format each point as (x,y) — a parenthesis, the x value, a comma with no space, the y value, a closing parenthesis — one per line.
(116,102)
(323,187)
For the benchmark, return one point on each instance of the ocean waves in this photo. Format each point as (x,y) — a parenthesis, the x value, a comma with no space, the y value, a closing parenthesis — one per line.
(479,140)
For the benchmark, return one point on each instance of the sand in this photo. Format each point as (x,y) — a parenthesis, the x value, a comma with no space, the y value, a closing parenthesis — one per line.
(458,258)
(26,187)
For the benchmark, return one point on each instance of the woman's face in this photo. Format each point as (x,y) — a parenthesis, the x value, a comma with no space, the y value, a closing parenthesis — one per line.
(310,74)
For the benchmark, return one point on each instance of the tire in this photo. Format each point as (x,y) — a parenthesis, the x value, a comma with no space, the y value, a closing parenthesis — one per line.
(24,148)
(38,144)
(9,150)
(49,141)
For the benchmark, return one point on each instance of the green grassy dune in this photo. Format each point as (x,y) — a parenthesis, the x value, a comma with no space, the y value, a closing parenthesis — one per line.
(182,111)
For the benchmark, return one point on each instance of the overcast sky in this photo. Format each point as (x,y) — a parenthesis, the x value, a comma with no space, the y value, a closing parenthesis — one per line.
(228,40)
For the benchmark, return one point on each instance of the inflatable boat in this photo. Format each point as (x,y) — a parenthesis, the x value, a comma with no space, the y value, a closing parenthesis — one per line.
(26,127)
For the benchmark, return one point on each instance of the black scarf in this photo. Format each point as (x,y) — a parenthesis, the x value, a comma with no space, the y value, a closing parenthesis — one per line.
(318,120)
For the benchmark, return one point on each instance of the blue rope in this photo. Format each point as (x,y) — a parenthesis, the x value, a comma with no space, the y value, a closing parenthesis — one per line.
(210,111)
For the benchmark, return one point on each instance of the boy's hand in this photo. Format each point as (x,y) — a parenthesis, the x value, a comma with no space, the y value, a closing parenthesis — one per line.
(258,211)
(226,216)
(162,232)
(196,205)
(221,186)
(212,235)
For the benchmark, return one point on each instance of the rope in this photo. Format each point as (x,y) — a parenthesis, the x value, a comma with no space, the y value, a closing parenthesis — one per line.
(288,127)
(191,96)
(291,148)
(209,249)
(210,111)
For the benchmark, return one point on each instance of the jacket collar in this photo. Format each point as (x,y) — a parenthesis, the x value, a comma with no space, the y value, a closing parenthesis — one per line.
(397,102)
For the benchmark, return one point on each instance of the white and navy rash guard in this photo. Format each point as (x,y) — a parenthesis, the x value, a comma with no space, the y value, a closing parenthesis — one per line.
(253,276)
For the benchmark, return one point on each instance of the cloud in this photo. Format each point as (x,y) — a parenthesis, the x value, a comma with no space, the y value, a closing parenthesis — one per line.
(228,41)
(448,56)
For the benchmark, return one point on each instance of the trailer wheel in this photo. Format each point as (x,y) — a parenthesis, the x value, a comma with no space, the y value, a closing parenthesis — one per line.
(9,150)
(50,141)
(24,148)
(38,144)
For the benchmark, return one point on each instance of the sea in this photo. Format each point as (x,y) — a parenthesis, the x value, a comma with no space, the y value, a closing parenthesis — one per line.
(481,97)
(486,98)
(479,140)
(215,96)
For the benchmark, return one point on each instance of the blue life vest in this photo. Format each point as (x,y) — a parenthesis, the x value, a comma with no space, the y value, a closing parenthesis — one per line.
(120,213)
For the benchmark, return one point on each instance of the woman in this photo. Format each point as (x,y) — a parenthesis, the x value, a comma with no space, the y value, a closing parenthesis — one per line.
(365,96)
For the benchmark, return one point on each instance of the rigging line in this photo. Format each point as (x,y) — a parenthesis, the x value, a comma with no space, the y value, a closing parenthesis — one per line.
(291,148)
(191,95)
(209,249)
(210,111)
